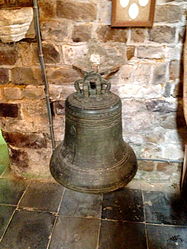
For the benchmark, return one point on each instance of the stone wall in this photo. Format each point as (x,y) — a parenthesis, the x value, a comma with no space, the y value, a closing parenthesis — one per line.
(149,81)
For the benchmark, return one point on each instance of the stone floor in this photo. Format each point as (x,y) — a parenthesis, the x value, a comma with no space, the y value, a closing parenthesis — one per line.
(41,215)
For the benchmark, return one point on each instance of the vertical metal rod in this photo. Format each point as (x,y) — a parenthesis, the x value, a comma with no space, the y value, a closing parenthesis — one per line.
(43,71)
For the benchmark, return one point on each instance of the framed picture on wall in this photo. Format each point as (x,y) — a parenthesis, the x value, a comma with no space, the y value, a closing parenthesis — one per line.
(133,13)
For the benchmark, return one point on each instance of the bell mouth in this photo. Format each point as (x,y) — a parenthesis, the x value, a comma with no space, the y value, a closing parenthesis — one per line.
(95,180)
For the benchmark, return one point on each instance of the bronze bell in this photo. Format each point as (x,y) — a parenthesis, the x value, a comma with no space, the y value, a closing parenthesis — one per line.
(93,157)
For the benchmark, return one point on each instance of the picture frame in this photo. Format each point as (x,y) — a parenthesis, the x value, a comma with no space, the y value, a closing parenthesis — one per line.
(133,13)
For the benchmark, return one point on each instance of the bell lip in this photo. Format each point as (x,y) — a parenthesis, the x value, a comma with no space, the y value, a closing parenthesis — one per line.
(109,186)
(98,190)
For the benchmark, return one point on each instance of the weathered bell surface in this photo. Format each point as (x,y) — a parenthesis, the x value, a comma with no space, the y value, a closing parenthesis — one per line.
(93,157)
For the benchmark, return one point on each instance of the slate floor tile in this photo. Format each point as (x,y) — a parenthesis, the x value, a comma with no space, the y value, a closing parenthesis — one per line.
(28,230)
(81,204)
(167,237)
(43,195)
(11,190)
(5,216)
(75,233)
(164,208)
(124,204)
(122,235)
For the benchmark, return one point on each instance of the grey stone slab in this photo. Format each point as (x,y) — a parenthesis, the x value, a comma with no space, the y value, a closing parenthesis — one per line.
(81,204)
(167,237)
(122,235)
(11,190)
(123,204)
(75,233)
(28,230)
(5,216)
(43,196)
(164,208)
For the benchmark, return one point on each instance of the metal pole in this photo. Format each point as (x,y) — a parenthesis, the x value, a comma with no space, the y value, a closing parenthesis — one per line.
(160,160)
(43,71)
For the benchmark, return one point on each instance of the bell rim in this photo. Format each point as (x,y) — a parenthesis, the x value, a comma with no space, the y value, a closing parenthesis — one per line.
(128,173)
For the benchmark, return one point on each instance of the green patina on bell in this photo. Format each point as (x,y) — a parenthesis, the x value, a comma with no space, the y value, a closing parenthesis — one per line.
(93,157)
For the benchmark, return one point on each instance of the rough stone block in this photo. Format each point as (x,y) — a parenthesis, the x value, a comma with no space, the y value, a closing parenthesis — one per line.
(161,106)
(25,140)
(174,70)
(34,113)
(106,33)
(104,12)
(4,75)
(51,53)
(31,31)
(146,165)
(134,74)
(168,13)
(142,73)
(47,9)
(56,30)
(174,52)
(172,135)
(130,50)
(155,134)
(168,120)
(110,55)
(167,167)
(139,122)
(32,92)
(132,106)
(27,54)
(62,75)
(73,53)
(34,109)
(26,75)
(58,108)
(138,34)
(37,164)
(14,23)
(151,150)
(149,52)
(159,73)
(18,3)
(76,10)
(8,54)
(59,92)
(125,75)
(1,97)
(169,149)
(132,138)
(168,89)
(162,34)
(13,93)
(137,90)
(82,33)
(19,158)
(59,125)
(26,124)
(9,110)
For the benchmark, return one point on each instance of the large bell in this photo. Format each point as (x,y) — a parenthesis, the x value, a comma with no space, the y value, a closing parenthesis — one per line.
(93,157)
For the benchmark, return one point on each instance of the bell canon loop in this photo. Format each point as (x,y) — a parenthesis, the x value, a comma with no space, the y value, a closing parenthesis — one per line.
(93,157)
